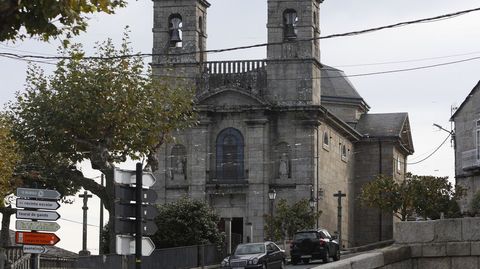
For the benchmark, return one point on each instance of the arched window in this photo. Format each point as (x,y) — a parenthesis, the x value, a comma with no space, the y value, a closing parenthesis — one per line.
(230,163)
(290,20)
(175,29)
(178,162)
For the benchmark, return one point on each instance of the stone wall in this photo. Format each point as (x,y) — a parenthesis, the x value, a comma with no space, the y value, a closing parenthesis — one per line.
(440,244)
(467,169)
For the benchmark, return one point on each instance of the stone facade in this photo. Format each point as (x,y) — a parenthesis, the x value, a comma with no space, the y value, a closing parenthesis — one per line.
(264,125)
(467,146)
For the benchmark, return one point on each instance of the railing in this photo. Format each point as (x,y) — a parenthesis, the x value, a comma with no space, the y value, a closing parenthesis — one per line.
(250,76)
(22,263)
(234,67)
(470,160)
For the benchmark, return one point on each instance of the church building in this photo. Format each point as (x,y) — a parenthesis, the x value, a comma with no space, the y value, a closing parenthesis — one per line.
(287,123)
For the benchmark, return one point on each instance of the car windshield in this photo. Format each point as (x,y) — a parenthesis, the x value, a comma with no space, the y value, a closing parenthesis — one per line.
(250,249)
(299,236)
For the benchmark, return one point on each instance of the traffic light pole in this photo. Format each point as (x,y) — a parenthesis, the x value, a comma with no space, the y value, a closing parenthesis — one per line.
(138,217)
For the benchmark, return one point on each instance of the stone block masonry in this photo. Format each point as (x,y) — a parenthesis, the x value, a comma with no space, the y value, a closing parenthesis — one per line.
(439,244)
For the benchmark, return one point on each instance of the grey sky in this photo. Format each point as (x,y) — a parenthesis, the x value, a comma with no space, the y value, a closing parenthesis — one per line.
(426,95)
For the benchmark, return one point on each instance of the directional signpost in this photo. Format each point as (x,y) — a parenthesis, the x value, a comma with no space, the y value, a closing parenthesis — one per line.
(32,249)
(37,215)
(36,204)
(38,193)
(36,226)
(133,214)
(126,245)
(32,238)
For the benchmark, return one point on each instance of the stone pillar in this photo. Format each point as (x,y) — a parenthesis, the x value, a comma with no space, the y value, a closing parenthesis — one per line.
(256,157)
(199,162)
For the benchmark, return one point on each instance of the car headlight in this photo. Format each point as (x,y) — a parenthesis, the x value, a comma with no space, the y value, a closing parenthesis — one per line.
(224,262)
(253,261)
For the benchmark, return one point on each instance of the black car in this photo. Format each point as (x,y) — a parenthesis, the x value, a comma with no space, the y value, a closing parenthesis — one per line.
(314,244)
(255,255)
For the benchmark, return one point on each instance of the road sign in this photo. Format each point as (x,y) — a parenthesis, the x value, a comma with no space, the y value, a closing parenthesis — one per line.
(149,212)
(125,245)
(37,204)
(127,226)
(128,177)
(37,215)
(32,238)
(32,249)
(38,193)
(36,226)
(127,193)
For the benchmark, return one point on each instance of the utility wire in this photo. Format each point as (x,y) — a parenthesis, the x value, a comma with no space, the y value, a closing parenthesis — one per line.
(435,151)
(408,61)
(353,33)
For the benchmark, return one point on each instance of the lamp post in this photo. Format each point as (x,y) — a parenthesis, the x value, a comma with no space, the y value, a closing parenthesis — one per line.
(271,196)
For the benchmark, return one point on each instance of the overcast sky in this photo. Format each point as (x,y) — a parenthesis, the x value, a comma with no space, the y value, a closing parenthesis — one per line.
(427,94)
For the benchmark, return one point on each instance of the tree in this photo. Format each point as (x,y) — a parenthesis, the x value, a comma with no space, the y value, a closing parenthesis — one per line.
(186,223)
(46,19)
(9,155)
(389,196)
(289,219)
(435,195)
(102,110)
(22,168)
(426,196)
(475,204)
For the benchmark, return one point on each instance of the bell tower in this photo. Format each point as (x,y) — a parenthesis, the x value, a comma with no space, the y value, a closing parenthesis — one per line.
(293,57)
(179,37)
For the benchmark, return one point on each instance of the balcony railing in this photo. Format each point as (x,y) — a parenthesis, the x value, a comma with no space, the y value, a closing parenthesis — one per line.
(470,160)
(250,76)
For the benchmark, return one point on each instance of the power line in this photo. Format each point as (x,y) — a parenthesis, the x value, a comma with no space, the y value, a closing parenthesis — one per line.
(353,33)
(409,61)
(431,154)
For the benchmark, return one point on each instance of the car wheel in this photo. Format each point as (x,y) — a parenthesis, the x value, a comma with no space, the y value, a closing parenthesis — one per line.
(282,264)
(337,255)
(325,256)
(294,261)
(305,261)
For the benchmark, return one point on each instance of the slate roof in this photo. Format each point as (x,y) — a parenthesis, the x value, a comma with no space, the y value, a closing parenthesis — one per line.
(335,84)
(382,125)
(474,90)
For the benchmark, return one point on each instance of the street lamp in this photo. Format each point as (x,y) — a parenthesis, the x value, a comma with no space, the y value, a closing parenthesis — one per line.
(271,196)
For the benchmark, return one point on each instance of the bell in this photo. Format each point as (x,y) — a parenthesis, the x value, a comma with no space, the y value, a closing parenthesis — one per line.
(290,32)
(175,36)
(175,26)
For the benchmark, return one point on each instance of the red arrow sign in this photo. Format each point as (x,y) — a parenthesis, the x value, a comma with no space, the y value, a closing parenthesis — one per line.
(31,238)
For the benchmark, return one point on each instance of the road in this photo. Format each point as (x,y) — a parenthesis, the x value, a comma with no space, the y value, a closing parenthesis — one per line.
(317,263)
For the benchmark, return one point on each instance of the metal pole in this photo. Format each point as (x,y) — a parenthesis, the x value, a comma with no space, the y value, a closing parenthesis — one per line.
(138,217)
(271,220)
(101,222)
